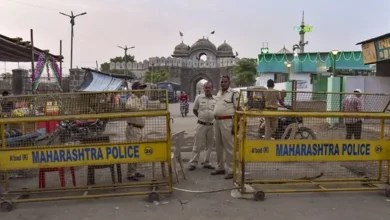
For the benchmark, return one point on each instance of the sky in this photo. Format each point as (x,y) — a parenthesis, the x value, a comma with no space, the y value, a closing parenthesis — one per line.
(153,26)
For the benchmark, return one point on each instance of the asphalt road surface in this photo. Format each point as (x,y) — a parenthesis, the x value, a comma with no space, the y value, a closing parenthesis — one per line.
(182,206)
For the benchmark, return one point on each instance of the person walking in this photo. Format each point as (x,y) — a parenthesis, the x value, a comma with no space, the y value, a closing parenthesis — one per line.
(204,109)
(135,126)
(353,103)
(227,102)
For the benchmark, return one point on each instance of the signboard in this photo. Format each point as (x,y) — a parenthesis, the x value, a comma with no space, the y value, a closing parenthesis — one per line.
(65,156)
(383,49)
(315,150)
(369,53)
(301,84)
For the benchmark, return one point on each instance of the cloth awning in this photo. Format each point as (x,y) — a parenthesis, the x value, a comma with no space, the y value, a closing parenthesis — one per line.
(97,82)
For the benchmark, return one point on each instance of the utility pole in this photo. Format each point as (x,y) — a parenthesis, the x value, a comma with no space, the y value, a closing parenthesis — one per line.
(72,22)
(125,49)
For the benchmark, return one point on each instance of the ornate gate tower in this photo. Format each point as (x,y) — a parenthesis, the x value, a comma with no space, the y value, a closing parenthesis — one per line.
(190,64)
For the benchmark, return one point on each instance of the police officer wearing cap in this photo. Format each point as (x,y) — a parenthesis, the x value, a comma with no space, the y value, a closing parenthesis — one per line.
(135,125)
(203,109)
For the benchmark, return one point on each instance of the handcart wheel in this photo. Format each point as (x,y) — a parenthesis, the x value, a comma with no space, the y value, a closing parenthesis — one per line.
(259,196)
(153,196)
(6,206)
(387,192)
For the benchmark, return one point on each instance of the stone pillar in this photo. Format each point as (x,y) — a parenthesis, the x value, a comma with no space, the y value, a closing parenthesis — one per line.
(21,83)
(76,78)
(333,102)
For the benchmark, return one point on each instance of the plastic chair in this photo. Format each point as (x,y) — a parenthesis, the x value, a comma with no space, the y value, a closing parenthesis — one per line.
(92,168)
(43,171)
(177,142)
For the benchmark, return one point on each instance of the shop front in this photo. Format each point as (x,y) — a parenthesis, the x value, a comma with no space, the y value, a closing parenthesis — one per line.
(377,51)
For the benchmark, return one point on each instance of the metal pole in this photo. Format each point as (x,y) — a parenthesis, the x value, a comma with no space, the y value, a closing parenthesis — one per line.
(72,23)
(61,59)
(32,56)
(71,49)
(126,61)
(151,74)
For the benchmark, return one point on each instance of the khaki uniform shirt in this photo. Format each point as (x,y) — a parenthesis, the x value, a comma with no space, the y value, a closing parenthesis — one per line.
(134,103)
(225,106)
(272,97)
(205,106)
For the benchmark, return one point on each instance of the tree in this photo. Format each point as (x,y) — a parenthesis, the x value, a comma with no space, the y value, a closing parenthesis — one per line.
(245,72)
(105,67)
(156,76)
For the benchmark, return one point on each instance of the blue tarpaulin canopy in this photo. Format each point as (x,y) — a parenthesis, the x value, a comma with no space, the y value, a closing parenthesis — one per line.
(97,82)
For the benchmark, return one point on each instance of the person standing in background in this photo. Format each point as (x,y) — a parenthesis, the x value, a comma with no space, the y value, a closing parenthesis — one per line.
(352,103)
(135,126)
(272,100)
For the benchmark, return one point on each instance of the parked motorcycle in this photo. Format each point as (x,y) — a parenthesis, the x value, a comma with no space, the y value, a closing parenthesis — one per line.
(283,123)
(183,108)
(68,131)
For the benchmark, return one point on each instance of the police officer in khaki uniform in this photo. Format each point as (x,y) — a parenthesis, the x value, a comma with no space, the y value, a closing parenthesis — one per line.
(227,102)
(204,109)
(135,126)
(272,99)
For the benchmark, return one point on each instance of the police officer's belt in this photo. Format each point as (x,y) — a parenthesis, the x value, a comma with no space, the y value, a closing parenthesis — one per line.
(134,125)
(223,117)
(204,123)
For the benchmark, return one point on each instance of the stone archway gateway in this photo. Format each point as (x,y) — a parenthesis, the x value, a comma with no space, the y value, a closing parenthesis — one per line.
(186,66)
(194,82)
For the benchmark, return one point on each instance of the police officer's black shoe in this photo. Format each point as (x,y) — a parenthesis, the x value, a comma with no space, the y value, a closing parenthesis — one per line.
(218,172)
(229,177)
(139,175)
(133,178)
(191,168)
(208,166)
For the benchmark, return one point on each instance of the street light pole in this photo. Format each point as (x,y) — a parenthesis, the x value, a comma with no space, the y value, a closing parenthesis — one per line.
(72,22)
(289,70)
(334,55)
(125,49)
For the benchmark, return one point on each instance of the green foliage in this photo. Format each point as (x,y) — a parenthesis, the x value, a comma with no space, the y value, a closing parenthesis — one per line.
(156,76)
(105,67)
(245,72)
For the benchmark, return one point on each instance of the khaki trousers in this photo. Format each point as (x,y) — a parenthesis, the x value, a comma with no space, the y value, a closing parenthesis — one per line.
(271,124)
(133,134)
(204,136)
(224,145)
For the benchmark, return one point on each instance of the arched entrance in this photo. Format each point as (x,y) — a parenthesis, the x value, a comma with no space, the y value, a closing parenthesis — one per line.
(197,85)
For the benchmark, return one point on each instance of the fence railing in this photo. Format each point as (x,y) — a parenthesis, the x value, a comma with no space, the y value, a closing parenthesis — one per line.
(302,154)
(86,155)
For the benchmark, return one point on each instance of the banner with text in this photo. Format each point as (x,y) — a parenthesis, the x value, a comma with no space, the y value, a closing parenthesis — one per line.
(66,156)
(315,150)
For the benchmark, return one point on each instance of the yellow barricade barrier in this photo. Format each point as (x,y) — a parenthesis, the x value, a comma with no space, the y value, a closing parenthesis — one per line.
(308,156)
(85,154)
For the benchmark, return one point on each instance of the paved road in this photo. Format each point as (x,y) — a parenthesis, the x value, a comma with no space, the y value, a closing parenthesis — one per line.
(183,206)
